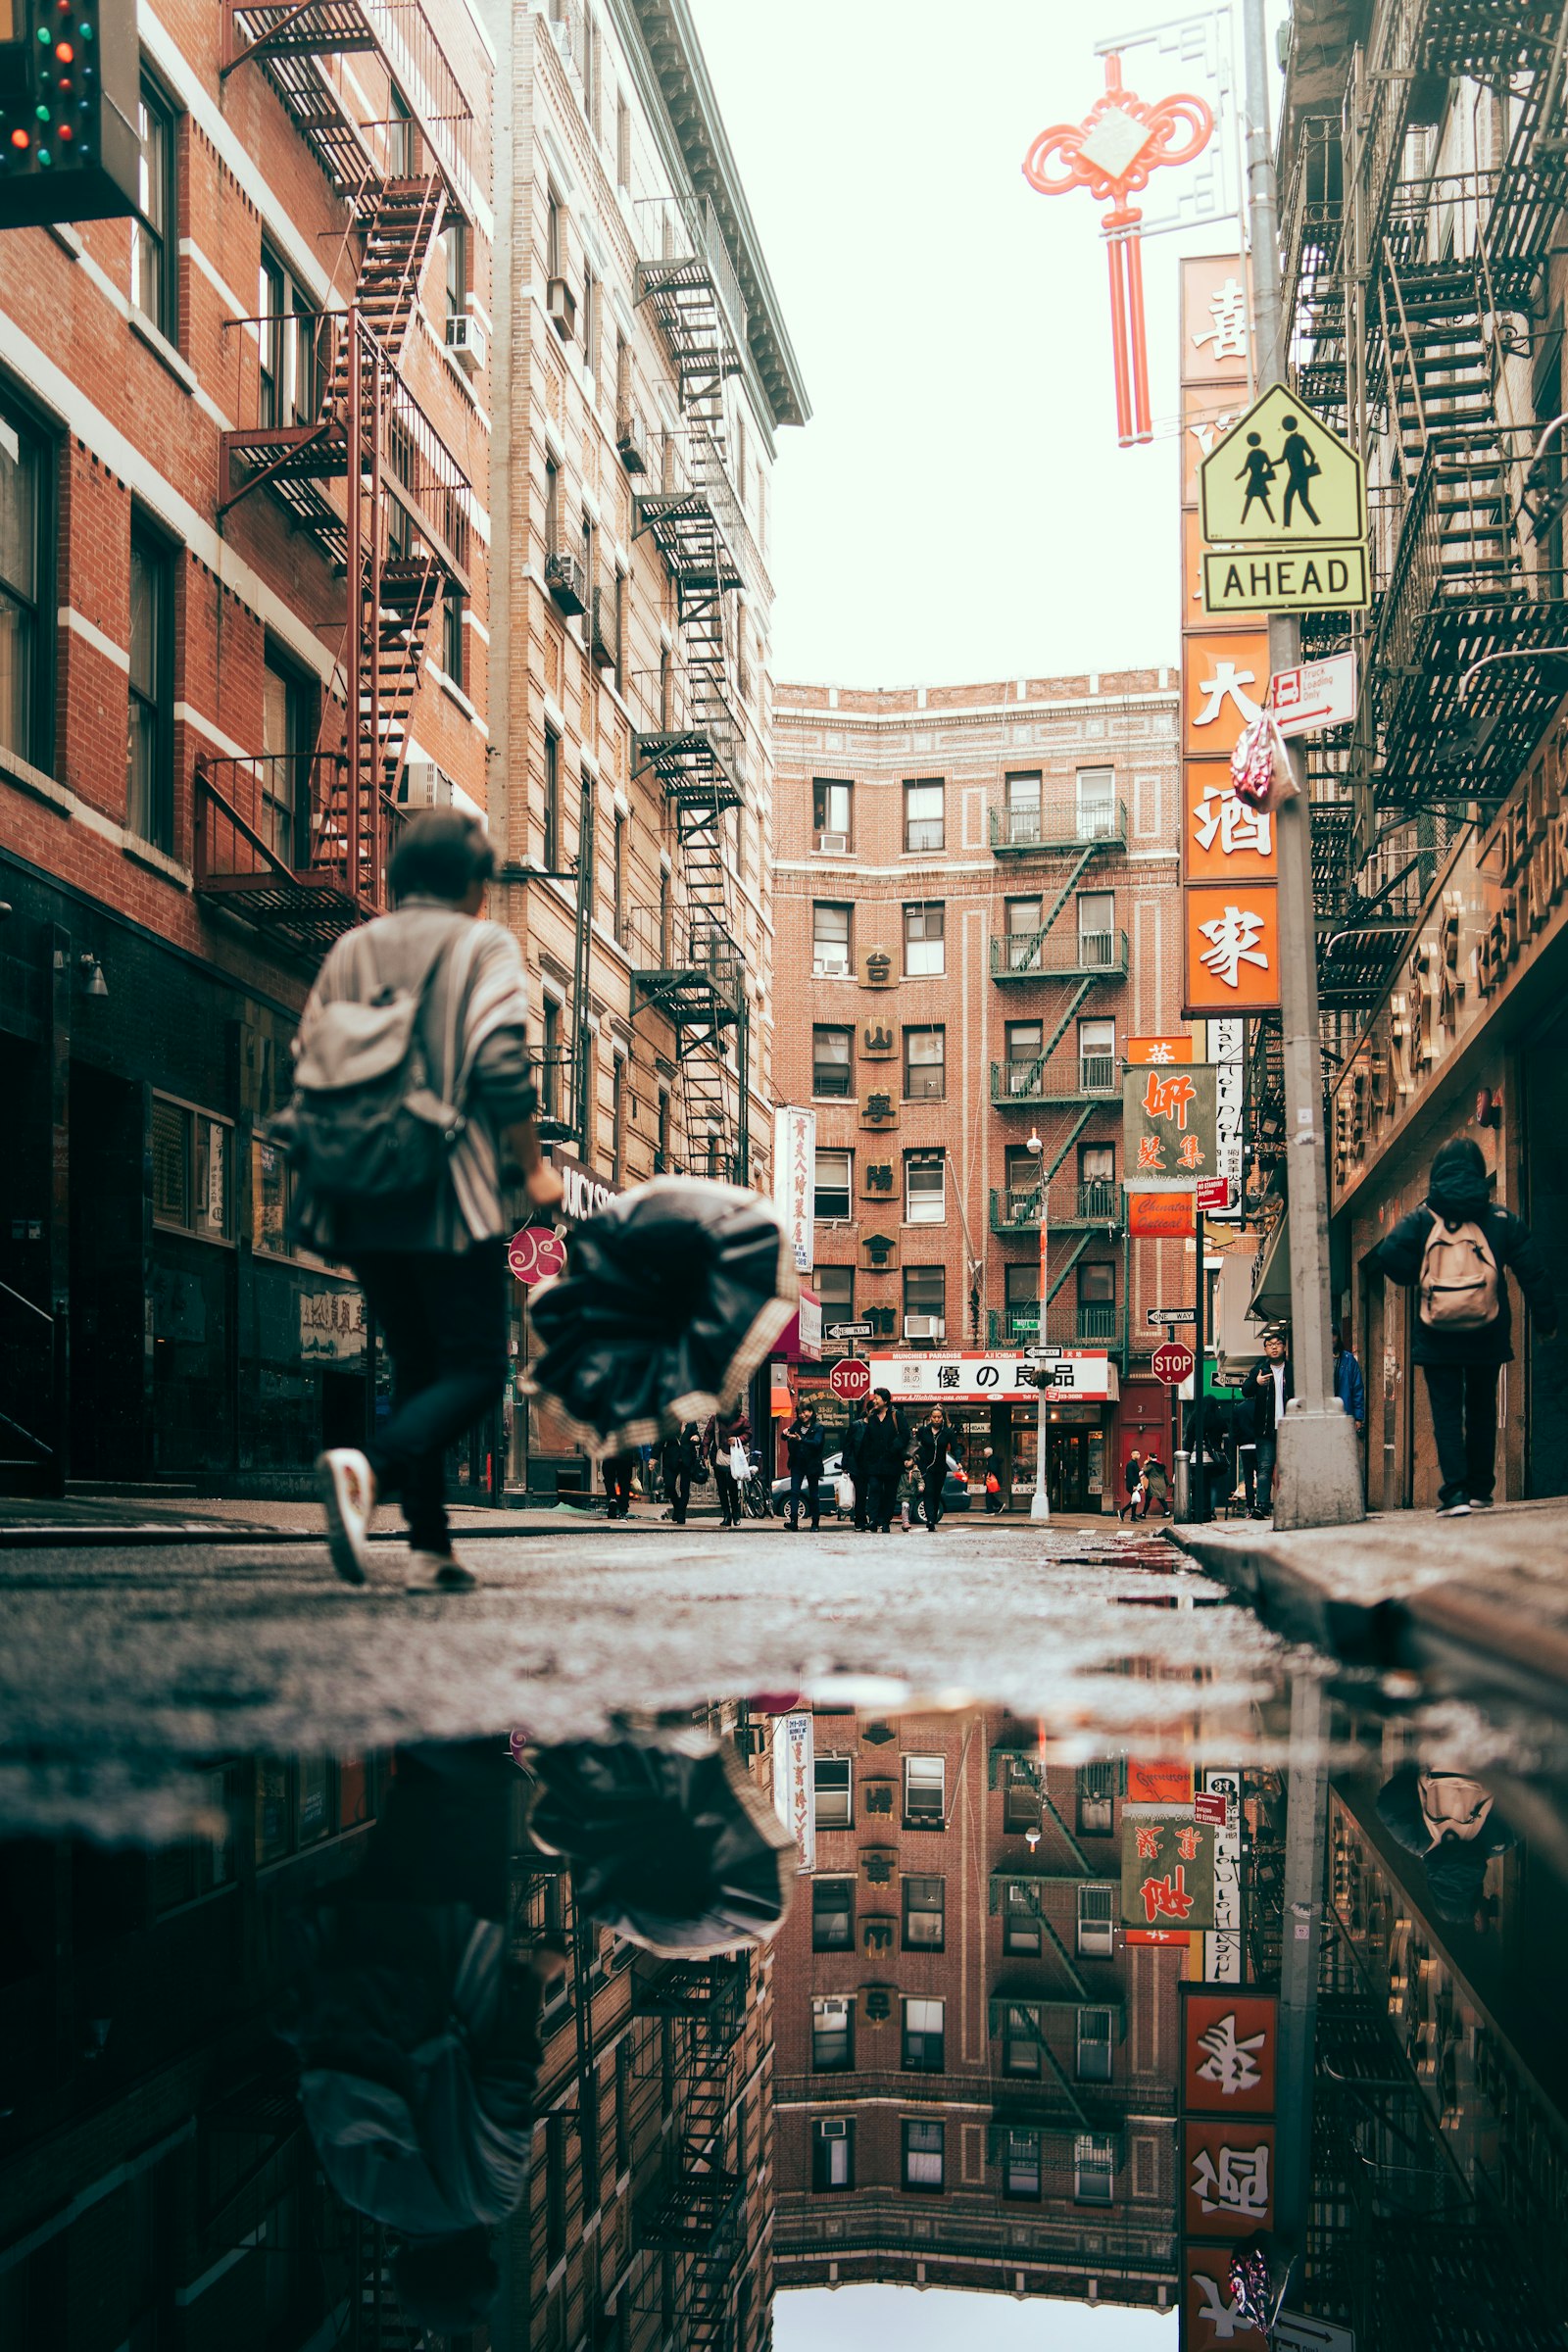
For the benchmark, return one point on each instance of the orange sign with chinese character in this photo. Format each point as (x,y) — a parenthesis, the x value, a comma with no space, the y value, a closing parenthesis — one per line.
(1229,2053)
(1223,837)
(1233,949)
(1227,2177)
(1180,1048)
(1208,2306)
(1224,679)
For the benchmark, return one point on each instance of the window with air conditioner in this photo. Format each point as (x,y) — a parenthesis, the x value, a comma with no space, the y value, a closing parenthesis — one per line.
(1094,2167)
(925,1780)
(922,2157)
(832,1780)
(924,1301)
(925,1064)
(1096,2030)
(1021,1805)
(830,940)
(832,2036)
(924,1914)
(1097,1922)
(1096,1800)
(1025,1043)
(924,2040)
(924,1187)
(832,1060)
(924,947)
(924,816)
(832,2154)
(1021,1169)
(832,815)
(835,1178)
(1020,1921)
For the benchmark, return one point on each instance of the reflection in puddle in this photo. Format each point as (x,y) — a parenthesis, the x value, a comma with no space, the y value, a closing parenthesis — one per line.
(495,2044)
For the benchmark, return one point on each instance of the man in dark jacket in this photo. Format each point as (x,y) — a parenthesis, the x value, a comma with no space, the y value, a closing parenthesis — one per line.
(1448,1820)
(1268,1390)
(678,1461)
(883,1448)
(1459,1361)
(804,1441)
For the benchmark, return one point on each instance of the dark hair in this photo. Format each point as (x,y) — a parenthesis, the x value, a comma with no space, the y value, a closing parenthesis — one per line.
(443,854)
(886,1394)
(446,2282)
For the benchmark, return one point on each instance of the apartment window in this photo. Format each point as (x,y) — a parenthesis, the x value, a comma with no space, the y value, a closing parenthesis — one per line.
(590,321)
(454,254)
(1020,1921)
(550,1061)
(832,813)
(1022,1803)
(924,1791)
(555,236)
(618,879)
(1097,927)
(150,751)
(924,1187)
(832,2153)
(925,1296)
(923,2037)
(832,1060)
(830,940)
(923,946)
(835,1176)
(1020,2040)
(1096,1163)
(661,1138)
(590,70)
(1096,1800)
(924,818)
(154,274)
(1096,1302)
(1094,2167)
(27,624)
(1097,1922)
(191,1158)
(1096,804)
(925,1064)
(1095,2041)
(1026,1042)
(922,2157)
(287,731)
(665,917)
(554,2189)
(622,143)
(832,1915)
(400,139)
(835,1288)
(833,1791)
(1097,1057)
(924,1914)
(1024,920)
(550,846)
(452,635)
(622,649)
(1021,816)
(832,2036)
(1020,2165)
(618,1118)
(1021,1297)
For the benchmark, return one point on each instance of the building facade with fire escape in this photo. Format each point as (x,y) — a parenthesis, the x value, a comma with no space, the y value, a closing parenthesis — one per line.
(244,448)
(1424,158)
(647,376)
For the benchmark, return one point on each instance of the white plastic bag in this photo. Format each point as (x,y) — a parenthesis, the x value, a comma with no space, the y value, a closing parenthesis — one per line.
(740,1463)
(846,1492)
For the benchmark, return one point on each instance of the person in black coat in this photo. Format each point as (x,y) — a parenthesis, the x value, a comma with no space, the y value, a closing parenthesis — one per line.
(678,1461)
(884,1443)
(805,1444)
(1448,1820)
(932,1441)
(617,1469)
(1267,1389)
(1459,1361)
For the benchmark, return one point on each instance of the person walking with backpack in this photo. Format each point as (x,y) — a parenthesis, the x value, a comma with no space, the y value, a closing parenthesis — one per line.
(412,1087)
(1458,1248)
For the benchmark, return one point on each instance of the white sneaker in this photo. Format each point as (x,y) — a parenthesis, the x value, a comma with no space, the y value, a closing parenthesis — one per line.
(438,1572)
(347,1488)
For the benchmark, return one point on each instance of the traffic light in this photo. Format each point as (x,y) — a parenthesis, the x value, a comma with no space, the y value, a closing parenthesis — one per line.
(69,100)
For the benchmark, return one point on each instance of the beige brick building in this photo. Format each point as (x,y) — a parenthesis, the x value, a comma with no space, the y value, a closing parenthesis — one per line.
(976,908)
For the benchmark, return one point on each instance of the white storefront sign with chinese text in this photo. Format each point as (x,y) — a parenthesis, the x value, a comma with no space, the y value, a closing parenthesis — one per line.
(794,1782)
(795,1179)
(1223,1944)
(977,1378)
(332,1326)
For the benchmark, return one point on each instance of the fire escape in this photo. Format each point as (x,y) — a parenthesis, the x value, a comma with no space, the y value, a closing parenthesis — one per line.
(690,969)
(297,843)
(695,2218)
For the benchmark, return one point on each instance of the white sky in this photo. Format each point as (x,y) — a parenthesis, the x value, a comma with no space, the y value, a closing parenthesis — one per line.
(846,2319)
(957,508)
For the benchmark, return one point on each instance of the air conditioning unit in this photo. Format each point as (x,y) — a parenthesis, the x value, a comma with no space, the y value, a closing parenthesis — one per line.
(830,967)
(833,2127)
(632,442)
(566,581)
(561,32)
(924,1327)
(835,2015)
(465,341)
(561,308)
(425,785)
(833,844)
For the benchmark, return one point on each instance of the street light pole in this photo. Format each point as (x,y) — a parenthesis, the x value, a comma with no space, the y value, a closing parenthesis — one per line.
(1318,1483)
(1040,1507)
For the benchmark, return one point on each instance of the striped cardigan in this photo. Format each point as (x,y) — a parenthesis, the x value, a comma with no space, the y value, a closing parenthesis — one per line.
(474,1030)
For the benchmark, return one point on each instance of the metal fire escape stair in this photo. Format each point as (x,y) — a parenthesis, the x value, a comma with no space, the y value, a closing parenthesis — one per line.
(1444,399)
(695,2215)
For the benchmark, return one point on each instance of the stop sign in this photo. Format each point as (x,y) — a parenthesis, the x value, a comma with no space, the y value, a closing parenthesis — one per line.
(1173,1363)
(851,1378)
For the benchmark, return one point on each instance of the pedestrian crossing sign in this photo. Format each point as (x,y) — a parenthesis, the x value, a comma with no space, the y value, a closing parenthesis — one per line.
(1282,478)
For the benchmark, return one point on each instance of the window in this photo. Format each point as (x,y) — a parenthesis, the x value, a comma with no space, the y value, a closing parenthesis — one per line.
(1096,804)
(661,1138)
(1020,1921)
(832,2036)
(590,70)
(1096,928)
(1097,1057)
(1096,1800)
(452,635)
(27,624)
(552,507)
(400,139)
(924,821)
(833,1790)
(550,846)
(1095,2036)
(618,1118)
(550,1061)
(830,940)
(150,751)
(1025,1045)
(922,2157)
(835,1288)
(618,879)
(1023,1169)
(590,326)
(1023,790)
(832,2153)
(924,1914)
(923,951)
(925,1293)
(924,1791)
(1024,920)
(1021,816)
(191,1161)
(1021,2038)
(832,813)
(832,1915)
(835,1177)
(665,917)
(455,252)
(287,730)
(1096,1179)
(622,143)
(1020,2165)
(154,275)
(1096,1302)
(924,1187)
(1094,2167)
(1021,1805)
(832,1060)
(555,236)
(923,2037)
(1097,1922)
(925,1064)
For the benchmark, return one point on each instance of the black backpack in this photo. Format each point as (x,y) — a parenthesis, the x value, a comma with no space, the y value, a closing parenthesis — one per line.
(363,1123)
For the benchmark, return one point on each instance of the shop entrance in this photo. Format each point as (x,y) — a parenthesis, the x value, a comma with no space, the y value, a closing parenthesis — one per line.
(1068,1469)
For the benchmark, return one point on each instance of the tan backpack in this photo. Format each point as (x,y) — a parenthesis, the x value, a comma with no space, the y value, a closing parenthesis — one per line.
(1460,1287)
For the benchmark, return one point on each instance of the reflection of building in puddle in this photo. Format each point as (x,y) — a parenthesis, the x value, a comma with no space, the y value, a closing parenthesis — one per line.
(974,2073)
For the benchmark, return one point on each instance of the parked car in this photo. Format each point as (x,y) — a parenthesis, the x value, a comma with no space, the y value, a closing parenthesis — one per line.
(955,1493)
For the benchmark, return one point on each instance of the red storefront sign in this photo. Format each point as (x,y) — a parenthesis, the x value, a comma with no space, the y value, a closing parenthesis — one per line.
(1227,2177)
(1228,2053)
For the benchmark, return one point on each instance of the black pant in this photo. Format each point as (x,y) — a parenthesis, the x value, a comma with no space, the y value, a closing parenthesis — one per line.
(1268,1450)
(444,1318)
(729,1494)
(931,1486)
(881,1496)
(1464,1422)
(804,1485)
(1247,1461)
(678,1487)
(861,1482)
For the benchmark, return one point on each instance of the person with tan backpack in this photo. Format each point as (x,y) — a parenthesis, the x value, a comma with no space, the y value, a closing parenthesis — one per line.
(1455,1249)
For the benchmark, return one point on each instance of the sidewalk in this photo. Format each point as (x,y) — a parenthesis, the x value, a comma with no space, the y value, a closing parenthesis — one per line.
(1460,1602)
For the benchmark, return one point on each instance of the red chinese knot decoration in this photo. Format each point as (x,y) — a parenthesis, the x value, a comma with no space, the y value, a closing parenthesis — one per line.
(1111,153)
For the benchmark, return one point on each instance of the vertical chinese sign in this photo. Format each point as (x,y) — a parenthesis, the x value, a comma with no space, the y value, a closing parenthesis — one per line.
(1228,873)
(1228,2075)
(794,1782)
(795,1179)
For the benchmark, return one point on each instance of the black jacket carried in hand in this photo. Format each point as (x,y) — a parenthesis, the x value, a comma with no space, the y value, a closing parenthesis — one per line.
(1514,1247)
(884,1443)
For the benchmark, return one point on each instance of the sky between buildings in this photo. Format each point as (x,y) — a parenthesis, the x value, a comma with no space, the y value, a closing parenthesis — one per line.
(957,506)
(847,2318)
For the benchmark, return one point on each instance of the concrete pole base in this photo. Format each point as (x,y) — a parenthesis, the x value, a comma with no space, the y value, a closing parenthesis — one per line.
(1318,1475)
(1040,1507)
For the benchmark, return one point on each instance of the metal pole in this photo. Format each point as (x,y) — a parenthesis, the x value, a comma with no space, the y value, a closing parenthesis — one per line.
(1198,1475)
(1318,1482)
(1040,1507)
(1305,1840)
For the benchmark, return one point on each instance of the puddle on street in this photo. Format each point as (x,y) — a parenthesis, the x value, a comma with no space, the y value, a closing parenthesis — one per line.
(1213,1993)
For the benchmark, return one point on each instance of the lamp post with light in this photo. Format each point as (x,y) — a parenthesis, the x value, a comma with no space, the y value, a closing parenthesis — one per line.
(1040,1507)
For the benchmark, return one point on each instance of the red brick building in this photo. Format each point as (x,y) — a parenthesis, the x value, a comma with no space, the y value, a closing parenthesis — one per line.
(976,908)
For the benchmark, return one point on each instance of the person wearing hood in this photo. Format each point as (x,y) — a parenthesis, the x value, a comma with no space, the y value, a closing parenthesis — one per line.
(1448,1820)
(1457,1249)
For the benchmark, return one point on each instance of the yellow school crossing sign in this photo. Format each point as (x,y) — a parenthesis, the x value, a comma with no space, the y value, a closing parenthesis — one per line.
(1282,506)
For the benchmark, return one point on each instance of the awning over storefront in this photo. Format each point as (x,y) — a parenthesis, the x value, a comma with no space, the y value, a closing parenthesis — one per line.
(1272,1291)
(801,1339)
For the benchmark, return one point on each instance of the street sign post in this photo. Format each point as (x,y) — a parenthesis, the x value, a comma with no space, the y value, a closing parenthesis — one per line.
(851,1379)
(1173,1362)
(847,1331)
(1171,1314)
